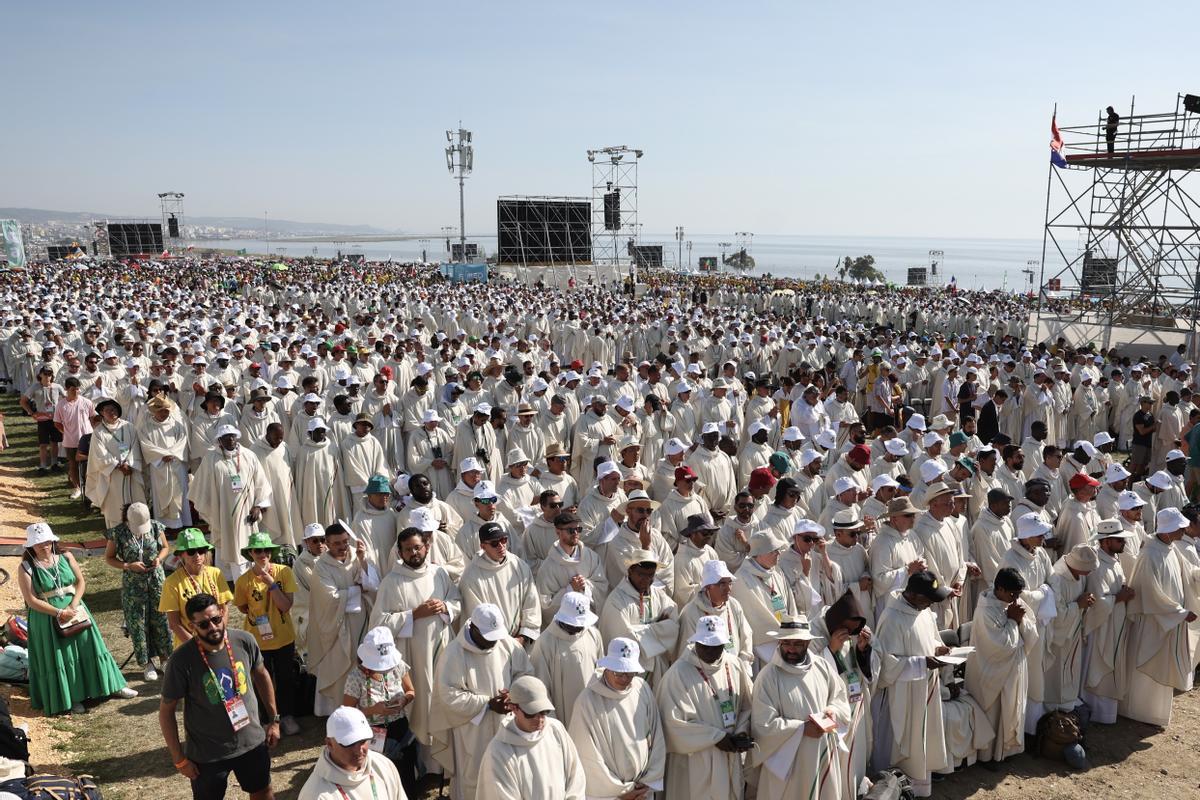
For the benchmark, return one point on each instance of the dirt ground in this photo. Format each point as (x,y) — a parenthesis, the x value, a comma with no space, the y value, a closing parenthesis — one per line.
(119,741)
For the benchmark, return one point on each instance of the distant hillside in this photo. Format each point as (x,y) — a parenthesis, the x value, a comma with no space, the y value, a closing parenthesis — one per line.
(39,216)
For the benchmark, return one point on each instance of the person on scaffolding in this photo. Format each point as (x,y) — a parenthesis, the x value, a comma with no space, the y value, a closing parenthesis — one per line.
(1110,128)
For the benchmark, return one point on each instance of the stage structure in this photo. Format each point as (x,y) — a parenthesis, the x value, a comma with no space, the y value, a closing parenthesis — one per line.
(1121,247)
(172,220)
(614,202)
(543,232)
(135,239)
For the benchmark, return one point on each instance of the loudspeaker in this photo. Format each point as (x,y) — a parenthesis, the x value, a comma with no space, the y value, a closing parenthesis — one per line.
(173,227)
(612,210)
(1191,103)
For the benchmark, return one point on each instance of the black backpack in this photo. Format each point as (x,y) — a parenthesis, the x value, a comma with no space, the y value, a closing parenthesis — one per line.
(14,743)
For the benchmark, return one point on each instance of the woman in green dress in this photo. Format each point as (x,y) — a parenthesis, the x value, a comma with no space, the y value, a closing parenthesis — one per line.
(63,670)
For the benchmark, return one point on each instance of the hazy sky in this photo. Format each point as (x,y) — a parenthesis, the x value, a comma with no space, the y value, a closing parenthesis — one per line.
(790,117)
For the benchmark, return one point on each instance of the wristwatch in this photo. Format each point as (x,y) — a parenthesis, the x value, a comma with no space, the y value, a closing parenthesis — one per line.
(275,719)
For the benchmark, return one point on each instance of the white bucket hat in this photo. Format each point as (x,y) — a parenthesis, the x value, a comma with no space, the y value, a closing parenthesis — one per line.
(378,651)
(623,656)
(714,572)
(710,631)
(38,533)
(575,609)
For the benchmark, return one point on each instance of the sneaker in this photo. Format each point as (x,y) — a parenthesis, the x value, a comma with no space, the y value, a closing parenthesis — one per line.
(43,470)
(288,725)
(56,467)
(150,673)
(77,708)
(76,493)
(125,693)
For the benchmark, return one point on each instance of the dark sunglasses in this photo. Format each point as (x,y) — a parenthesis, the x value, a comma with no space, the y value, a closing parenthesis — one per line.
(262,549)
(485,501)
(497,542)
(317,539)
(196,551)
(208,622)
(554,505)
(576,529)
(810,539)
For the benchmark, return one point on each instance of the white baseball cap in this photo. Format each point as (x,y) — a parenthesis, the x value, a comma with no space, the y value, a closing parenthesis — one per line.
(315,423)
(228,430)
(710,631)
(674,447)
(313,529)
(1174,454)
(625,403)
(470,464)
(348,725)
(482,408)
(485,490)
(606,469)
(575,609)
(311,398)
(827,439)
(488,620)
(709,427)
(623,656)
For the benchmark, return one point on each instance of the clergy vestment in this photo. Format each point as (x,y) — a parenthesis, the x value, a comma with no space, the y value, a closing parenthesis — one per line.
(362,457)
(539,766)
(565,663)
(891,553)
(1160,658)
(766,597)
(423,449)
(998,672)
(465,678)
(690,700)
(619,737)
(1035,568)
(419,641)
(909,730)
(651,620)
(741,638)
(320,492)
(378,778)
(110,489)
(784,697)
(553,579)
(507,584)
(168,479)
(334,631)
(282,518)
(224,489)
(1107,630)
(1063,663)
(943,550)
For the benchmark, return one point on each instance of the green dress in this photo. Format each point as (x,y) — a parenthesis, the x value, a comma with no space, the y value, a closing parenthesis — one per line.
(64,671)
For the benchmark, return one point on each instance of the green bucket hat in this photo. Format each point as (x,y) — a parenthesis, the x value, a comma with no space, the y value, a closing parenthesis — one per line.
(957,438)
(378,484)
(260,540)
(191,539)
(780,462)
(969,463)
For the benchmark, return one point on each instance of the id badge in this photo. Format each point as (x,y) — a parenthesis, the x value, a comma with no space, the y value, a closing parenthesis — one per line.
(854,686)
(263,625)
(123,452)
(235,483)
(728,715)
(235,708)
(777,606)
(378,740)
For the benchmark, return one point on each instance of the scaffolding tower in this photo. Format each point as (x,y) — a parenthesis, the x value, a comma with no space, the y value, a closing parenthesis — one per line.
(172,220)
(614,203)
(1121,245)
(543,232)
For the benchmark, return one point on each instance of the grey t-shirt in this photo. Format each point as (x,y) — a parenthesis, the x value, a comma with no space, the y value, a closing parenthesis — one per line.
(210,734)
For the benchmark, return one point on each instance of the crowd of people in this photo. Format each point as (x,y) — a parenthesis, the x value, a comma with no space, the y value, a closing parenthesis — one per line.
(715,539)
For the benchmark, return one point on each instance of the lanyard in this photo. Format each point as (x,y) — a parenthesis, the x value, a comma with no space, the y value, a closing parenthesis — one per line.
(232,666)
(197,585)
(345,796)
(649,607)
(713,689)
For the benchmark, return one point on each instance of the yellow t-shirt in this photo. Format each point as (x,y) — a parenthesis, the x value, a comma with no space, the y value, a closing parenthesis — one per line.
(179,587)
(251,592)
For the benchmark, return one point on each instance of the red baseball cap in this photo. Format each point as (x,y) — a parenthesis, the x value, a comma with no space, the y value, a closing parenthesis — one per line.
(1081,480)
(685,473)
(860,453)
(761,479)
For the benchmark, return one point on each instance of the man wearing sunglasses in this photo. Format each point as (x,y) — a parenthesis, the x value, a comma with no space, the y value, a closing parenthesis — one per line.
(215,672)
(569,566)
(500,577)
